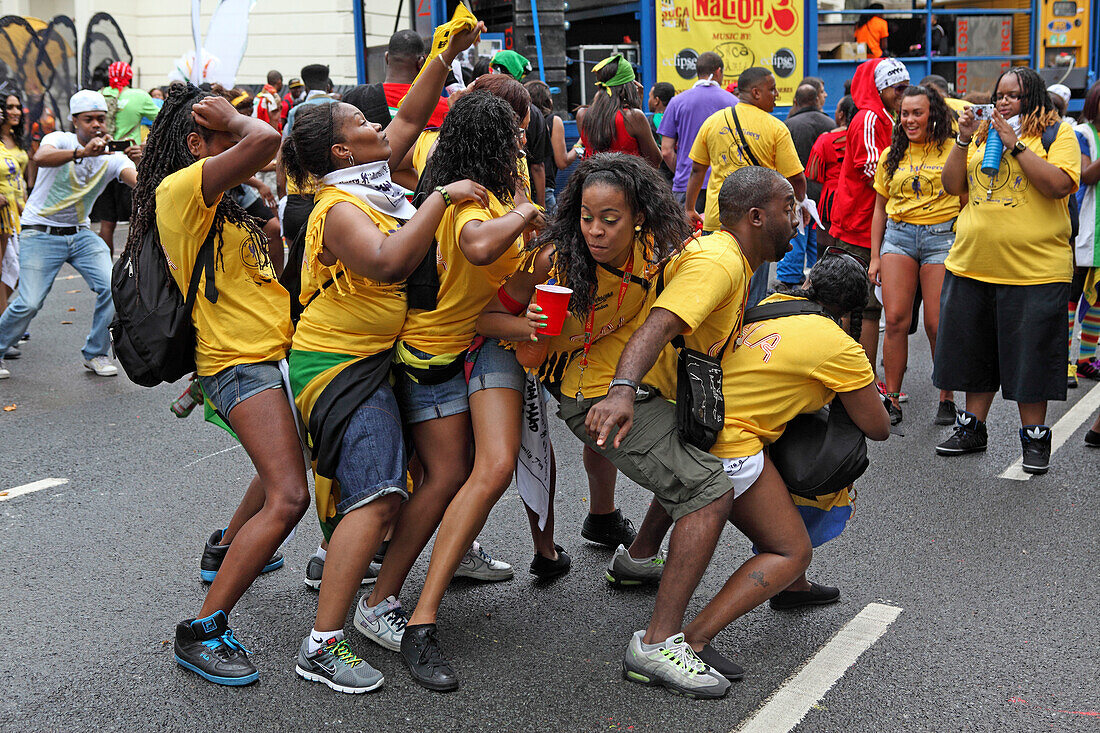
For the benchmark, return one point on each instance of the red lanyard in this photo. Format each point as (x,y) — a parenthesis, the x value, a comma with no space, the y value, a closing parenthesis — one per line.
(590,322)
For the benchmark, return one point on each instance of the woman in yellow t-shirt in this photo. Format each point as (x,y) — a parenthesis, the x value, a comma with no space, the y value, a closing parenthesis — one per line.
(192,157)
(912,230)
(13,193)
(1002,322)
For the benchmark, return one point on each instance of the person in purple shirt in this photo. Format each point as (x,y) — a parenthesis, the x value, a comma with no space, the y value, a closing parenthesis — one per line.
(685,114)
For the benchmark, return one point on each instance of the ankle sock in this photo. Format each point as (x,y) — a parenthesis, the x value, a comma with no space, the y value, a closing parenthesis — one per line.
(321,553)
(318,639)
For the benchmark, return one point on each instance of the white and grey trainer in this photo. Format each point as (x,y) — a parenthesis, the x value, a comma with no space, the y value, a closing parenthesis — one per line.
(336,665)
(673,664)
(623,570)
(101,365)
(383,624)
(480,565)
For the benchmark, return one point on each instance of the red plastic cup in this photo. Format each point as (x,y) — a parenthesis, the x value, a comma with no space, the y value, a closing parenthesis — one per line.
(554,301)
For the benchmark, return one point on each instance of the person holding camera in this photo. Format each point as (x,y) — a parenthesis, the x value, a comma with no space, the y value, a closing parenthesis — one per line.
(1003,318)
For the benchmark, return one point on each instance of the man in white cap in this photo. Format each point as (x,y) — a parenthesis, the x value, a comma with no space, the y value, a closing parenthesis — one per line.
(73,169)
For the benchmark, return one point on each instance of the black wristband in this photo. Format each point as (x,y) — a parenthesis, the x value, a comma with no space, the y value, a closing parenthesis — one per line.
(446,196)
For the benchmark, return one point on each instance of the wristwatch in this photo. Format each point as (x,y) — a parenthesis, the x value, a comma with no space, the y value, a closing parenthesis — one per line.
(620,382)
(1018,148)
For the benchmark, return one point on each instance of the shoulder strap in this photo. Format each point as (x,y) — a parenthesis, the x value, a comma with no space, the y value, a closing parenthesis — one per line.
(741,135)
(204,262)
(678,340)
(781,309)
(325,286)
(1050,134)
(639,281)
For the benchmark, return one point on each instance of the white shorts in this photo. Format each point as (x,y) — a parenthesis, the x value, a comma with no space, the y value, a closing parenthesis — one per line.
(743,472)
(9,268)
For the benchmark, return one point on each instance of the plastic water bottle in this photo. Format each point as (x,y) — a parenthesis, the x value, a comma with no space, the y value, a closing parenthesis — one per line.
(994,149)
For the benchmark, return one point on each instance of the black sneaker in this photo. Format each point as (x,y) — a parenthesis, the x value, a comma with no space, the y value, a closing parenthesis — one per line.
(545,568)
(817,595)
(720,664)
(946,413)
(424,658)
(1036,444)
(609,530)
(206,647)
(969,437)
(214,553)
(894,411)
(1092,438)
(315,569)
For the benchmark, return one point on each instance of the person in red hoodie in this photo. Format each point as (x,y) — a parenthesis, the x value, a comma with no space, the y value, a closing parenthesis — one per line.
(876,89)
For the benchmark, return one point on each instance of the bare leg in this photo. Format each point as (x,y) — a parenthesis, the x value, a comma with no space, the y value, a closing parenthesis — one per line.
(267,431)
(601,482)
(275,246)
(899,285)
(250,505)
(1032,413)
(931,283)
(868,338)
(652,533)
(107,233)
(767,516)
(443,445)
(978,403)
(4,289)
(495,414)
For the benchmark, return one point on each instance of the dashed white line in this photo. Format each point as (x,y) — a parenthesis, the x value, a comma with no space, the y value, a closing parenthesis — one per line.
(46,483)
(218,453)
(1067,426)
(789,704)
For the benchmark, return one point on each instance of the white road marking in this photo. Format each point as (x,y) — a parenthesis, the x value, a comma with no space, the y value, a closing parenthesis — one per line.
(1067,426)
(789,704)
(46,483)
(232,447)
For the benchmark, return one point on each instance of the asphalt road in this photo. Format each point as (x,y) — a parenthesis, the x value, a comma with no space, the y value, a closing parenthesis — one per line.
(997,580)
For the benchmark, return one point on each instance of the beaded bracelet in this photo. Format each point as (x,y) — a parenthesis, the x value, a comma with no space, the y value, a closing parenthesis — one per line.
(446,196)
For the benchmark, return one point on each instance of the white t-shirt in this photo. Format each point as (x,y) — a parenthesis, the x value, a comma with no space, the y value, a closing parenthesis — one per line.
(63,196)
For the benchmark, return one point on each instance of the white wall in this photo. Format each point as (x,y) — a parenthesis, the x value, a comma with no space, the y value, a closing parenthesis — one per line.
(283,34)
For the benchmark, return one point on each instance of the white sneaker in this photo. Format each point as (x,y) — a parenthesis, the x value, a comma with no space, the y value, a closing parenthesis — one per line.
(480,565)
(673,664)
(383,624)
(101,365)
(625,570)
(4,371)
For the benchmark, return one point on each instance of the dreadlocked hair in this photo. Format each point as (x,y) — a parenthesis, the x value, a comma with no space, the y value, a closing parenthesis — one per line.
(839,285)
(307,150)
(664,227)
(165,153)
(599,120)
(1037,112)
(938,131)
(479,140)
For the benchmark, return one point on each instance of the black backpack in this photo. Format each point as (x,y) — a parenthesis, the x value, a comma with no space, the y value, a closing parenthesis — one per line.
(152,332)
(821,452)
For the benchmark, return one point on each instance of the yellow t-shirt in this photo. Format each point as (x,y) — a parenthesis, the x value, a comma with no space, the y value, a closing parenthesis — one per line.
(353,315)
(422,150)
(1009,233)
(565,351)
(13,162)
(783,368)
(251,321)
(956,105)
(914,194)
(706,286)
(718,146)
(464,288)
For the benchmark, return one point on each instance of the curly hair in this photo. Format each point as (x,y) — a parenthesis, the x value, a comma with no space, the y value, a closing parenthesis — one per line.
(598,124)
(506,88)
(939,127)
(18,131)
(166,152)
(1037,112)
(665,225)
(839,285)
(307,150)
(479,140)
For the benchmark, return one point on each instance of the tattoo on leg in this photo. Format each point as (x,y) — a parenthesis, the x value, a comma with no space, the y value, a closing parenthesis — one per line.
(758,578)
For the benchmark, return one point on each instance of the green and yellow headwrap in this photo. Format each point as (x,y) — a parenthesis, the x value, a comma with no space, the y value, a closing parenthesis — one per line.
(624,72)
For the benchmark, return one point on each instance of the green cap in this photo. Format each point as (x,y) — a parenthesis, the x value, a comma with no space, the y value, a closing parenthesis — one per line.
(512,62)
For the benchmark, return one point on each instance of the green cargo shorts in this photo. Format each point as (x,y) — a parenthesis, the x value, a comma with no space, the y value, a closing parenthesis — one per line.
(683,478)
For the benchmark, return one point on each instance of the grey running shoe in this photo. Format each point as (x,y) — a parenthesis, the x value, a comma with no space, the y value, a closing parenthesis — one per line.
(337,666)
(624,570)
(673,665)
(480,565)
(315,568)
(383,624)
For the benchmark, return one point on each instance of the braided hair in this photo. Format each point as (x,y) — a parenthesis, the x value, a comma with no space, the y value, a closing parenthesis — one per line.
(1037,112)
(939,127)
(307,150)
(665,226)
(166,152)
(839,285)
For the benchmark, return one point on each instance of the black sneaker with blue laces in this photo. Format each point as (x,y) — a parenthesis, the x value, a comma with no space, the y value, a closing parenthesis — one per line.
(214,554)
(1035,440)
(206,646)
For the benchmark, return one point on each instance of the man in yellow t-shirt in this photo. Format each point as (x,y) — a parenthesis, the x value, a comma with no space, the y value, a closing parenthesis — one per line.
(702,301)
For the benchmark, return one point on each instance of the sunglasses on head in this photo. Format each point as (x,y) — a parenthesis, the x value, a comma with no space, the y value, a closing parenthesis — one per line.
(838,252)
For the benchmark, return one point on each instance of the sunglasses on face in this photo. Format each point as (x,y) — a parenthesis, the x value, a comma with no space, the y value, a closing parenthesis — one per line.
(838,252)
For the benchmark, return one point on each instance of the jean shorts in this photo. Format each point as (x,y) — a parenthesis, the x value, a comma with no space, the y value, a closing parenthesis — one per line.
(233,385)
(372,454)
(928,244)
(495,368)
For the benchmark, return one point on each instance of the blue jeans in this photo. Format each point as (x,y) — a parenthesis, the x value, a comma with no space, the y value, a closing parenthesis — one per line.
(803,254)
(41,256)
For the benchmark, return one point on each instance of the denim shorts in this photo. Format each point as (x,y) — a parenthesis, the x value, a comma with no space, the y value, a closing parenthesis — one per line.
(495,367)
(928,244)
(372,454)
(233,385)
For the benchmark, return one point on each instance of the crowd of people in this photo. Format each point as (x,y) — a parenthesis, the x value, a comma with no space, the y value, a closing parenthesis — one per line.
(369,276)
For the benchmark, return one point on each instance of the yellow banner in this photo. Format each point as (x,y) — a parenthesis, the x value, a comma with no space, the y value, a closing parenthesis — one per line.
(744,33)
